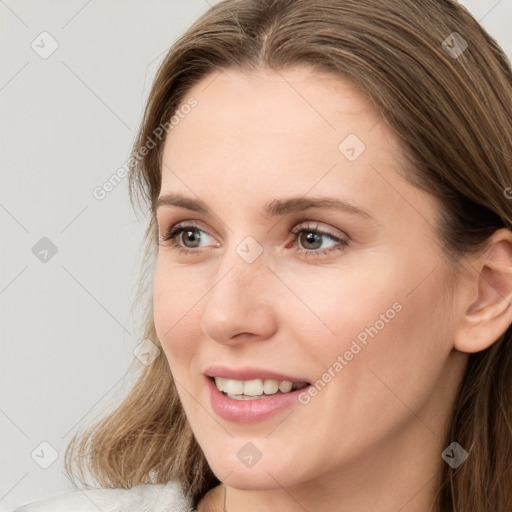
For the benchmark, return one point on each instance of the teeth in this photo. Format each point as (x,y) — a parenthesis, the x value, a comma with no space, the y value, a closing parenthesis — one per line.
(285,386)
(253,387)
(233,387)
(270,386)
(248,389)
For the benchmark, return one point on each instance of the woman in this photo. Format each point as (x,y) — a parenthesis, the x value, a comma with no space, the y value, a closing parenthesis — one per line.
(329,187)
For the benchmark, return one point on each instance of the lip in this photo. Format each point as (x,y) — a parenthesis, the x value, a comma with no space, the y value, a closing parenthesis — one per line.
(250,411)
(249,373)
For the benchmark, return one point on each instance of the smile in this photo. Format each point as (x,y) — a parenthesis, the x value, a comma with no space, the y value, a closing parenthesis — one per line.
(255,389)
(252,400)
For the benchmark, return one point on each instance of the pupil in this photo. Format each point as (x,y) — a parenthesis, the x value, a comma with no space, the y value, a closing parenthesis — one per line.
(310,239)
(190,236)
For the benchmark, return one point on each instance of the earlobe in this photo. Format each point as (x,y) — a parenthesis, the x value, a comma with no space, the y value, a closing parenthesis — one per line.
(489,310)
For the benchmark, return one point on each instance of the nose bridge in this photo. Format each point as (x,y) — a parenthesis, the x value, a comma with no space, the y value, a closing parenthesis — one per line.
(239,299)
(243,266)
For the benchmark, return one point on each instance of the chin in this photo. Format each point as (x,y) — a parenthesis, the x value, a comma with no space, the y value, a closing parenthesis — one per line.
(253,479)
(263,475)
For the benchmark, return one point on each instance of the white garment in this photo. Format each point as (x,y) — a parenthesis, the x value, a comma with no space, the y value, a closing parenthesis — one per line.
(167,497)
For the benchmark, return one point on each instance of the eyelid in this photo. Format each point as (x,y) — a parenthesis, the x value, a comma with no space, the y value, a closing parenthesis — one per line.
(183,224)
(315,226)
(178,228)
(298,227)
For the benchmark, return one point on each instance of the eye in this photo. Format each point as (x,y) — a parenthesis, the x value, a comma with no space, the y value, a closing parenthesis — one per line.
(312,238)
(187,237)
(186,234)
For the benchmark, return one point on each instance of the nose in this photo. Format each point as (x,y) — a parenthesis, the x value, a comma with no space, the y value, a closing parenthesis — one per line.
(239,306)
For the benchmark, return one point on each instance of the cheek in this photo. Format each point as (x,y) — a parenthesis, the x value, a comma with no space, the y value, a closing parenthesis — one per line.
(381,323)
(393,345)
(405,351)
(174,316)
(344,304)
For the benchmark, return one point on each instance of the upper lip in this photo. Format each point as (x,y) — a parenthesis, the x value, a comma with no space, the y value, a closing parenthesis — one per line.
(249,373)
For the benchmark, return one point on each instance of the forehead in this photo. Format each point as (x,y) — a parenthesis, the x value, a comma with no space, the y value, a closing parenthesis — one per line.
(257,136)
(297,105)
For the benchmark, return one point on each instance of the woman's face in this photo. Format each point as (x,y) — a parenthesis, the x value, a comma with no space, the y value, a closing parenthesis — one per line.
(278,284)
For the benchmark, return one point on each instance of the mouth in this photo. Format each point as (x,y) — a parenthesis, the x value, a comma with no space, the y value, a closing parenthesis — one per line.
(247,395)
(255,389)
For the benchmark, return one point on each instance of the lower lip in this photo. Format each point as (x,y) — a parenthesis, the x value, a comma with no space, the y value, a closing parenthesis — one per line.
(248,411)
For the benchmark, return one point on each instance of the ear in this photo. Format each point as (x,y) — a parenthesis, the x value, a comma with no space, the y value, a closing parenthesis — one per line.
(487,311)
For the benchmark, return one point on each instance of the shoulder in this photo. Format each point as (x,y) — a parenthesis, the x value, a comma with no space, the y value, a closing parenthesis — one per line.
(141,498)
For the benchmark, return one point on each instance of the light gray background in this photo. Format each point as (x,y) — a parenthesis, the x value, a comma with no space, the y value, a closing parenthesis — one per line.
(67,125)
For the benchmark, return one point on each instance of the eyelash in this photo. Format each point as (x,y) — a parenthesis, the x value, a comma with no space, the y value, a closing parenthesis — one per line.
(175,231)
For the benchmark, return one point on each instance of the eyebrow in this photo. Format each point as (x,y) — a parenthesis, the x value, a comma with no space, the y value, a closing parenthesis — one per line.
(276,207)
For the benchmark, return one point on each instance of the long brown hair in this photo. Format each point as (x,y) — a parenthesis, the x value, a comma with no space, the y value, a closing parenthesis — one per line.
(451,105)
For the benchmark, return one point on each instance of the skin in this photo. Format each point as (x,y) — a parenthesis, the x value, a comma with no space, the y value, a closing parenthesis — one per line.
(372,438)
